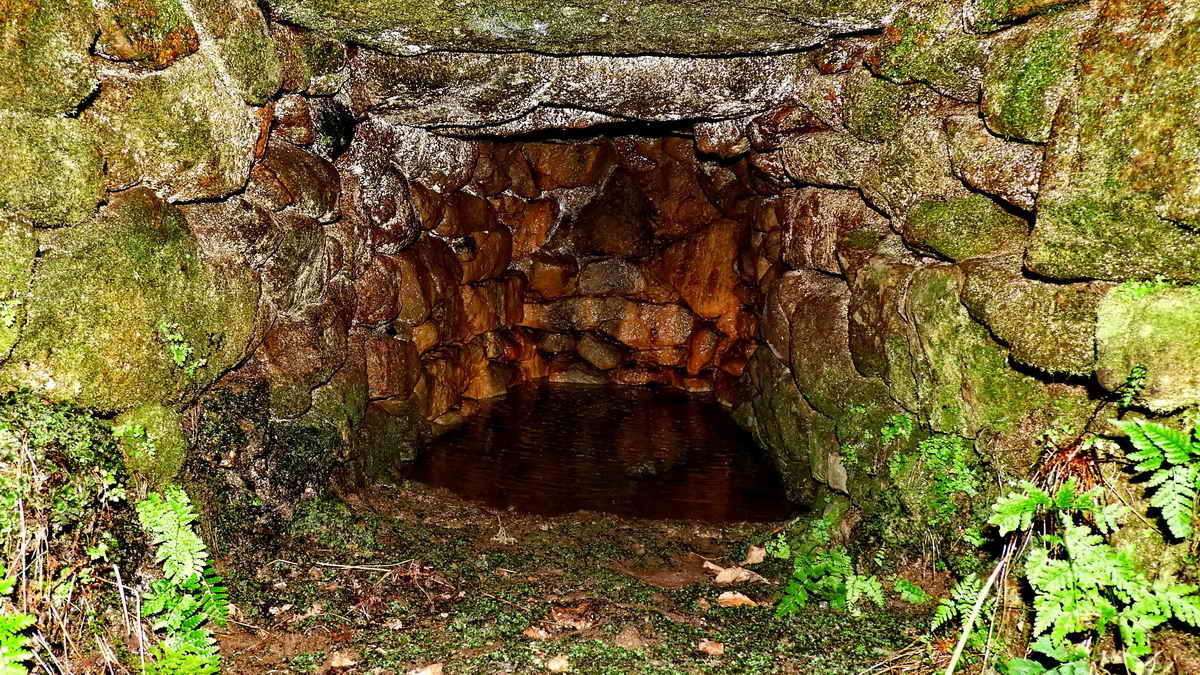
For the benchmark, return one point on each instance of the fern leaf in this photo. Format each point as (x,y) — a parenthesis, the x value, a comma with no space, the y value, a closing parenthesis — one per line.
(1176,446)
(1016,510)
(1175,497)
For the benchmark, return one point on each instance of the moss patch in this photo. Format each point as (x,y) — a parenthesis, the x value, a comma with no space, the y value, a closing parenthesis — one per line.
(150,33)
(1028,71)
(930,47)
(154,446)
(45,67)
(17,248)
(243,45)
(178,131)
(53,174)
(963,227)
(99,294)
(1158,329)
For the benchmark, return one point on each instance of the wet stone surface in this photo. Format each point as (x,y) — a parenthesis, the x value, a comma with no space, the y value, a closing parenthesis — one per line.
(553,449)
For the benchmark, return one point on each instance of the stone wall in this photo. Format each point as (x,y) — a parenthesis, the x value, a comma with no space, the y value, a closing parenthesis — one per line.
(828,213)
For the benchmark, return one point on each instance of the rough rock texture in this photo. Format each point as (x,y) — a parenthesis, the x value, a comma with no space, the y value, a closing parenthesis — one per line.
(53,174)
(177,131)
(1159,329)
(235,35)
(708,27)
(99,294)
(1120,195)
(150,33)
(17,248)
(44,64)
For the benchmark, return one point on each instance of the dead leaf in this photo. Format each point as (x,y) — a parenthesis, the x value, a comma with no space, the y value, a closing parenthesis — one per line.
(536,633)
(711,648)
(629,638)
(559,664)
(733,575)
(735,599)
(431,669)
(755,555)
(341,660)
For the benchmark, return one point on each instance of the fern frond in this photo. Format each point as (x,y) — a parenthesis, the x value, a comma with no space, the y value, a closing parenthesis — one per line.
(168,517)
(1016,510)
(1176,499)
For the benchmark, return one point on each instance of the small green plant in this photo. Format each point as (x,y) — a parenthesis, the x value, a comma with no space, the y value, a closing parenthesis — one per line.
(1133,385)
(827,575)
(959,605)
(190,595)
(900,425)
(1172,458)
(135,439)
(178,348)
(14,646)
(910,592)
(951,467)
(8,312)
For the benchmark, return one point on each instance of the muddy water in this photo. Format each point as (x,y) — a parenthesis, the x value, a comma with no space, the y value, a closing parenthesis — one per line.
(555,448)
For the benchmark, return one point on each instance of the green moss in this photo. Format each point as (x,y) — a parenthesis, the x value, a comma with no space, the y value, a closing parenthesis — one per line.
(156,449)
(100,291)
(150,33)
(243,45)
(991,15)
(179,131)
(929,46)
(875,109)
(45,67)
(1159,330)
(1120,180)
(53,174)
(963,227)
(17,248)
(1026,76)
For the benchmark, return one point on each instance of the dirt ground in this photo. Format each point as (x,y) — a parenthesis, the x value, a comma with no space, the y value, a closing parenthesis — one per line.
(411,579)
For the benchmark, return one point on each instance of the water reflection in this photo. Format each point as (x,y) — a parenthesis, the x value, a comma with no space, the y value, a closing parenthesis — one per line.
(557,448)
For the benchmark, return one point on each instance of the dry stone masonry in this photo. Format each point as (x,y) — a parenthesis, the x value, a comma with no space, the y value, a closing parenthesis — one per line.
(826,212)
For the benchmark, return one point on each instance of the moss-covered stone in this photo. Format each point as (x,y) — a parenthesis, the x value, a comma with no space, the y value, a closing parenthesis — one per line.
(832,158)
(878,330)
(963,376)
(1120,195)
(99,294)
(998,168)
(1156,326)
(1051,327)
(912,167)
(45,67)
(392,433)
(583,26)
(241,43)
(154,446)
(310,63)
(876,109)
(178,131)
(990,15)
(17,248)
(150,33)
(53,174)
(1029,69)
(963,227)
(927,44)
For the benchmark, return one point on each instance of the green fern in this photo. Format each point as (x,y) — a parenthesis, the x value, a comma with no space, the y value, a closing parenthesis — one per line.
(859,588)
(168,517)
(959,603)
(1172,458)
(910,592)
(821,575)
(14,647)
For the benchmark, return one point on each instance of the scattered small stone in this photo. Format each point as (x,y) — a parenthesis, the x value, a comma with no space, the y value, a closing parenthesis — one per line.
(735,599)
(559,664)
(711,648)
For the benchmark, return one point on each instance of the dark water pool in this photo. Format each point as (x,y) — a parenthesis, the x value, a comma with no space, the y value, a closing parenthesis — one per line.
(556,448)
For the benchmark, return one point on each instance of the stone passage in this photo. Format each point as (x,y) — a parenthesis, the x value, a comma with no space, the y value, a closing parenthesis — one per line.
(833,215)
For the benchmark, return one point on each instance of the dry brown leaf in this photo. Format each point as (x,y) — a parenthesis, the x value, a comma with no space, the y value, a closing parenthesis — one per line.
(431,669)
(732,575)
(341,660)
(735,599)
(535,633)
(711,648)
(559,664)
(755,555)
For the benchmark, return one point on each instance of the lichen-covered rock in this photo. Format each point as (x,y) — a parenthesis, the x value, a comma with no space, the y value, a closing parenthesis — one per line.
(125,311)
(151,33)
(1051,327)
(912,167)
(1004,170)
(772,408)
(989,15)
(392,433)
(708,27)
(45,67)
(157,449)
(965,227)
(17,248)
(235,35)
(177,131)
(310,63)
(812,220)
(287,176)
(1120,195)
(925,42)
(476,92)
(1029,69)
(53,174)
(1156,326)
(876,109)
(830,158)
(879,331)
